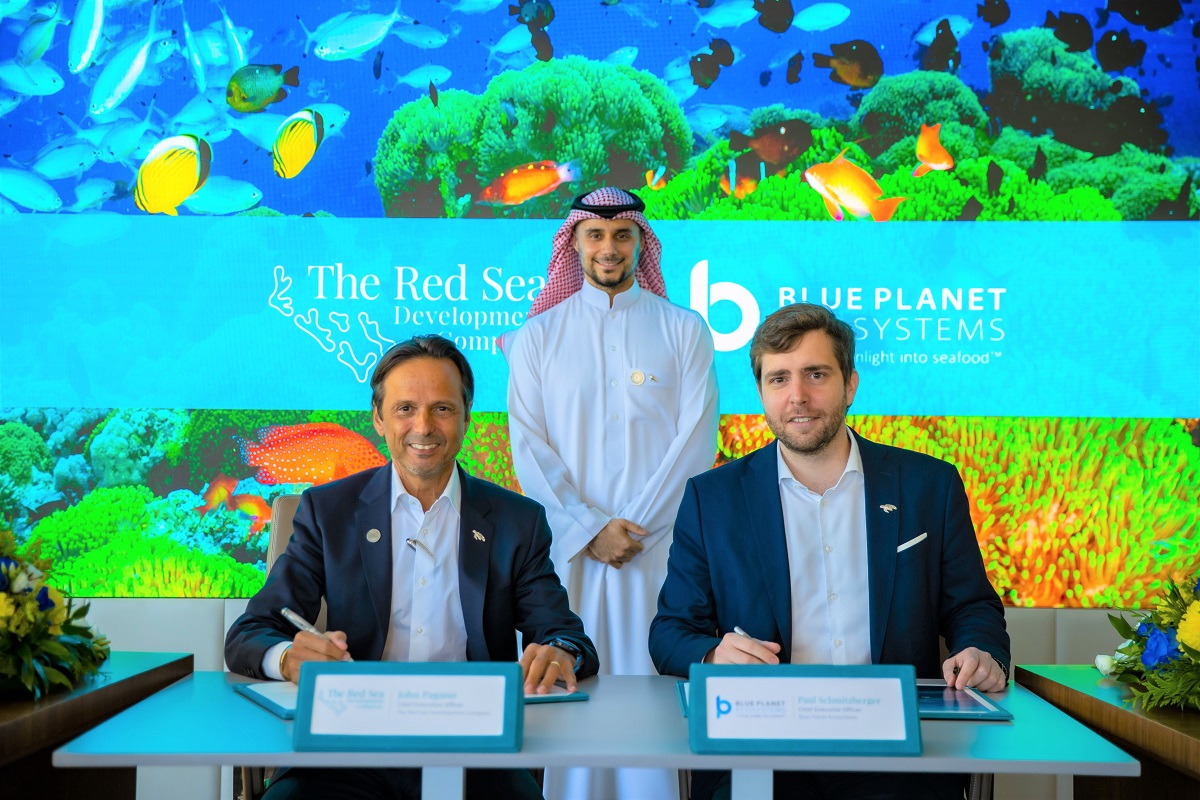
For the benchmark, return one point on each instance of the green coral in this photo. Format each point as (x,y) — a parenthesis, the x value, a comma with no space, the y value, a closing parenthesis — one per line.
(677,140)
(934,196)
(942,195)
(960,141)
(423,142)
(133,442)
(487,450)
(1043,66)
(696,193)
(1020,148)
(135,566)
(95,520)
(617,122)
(264,211)
(21,451)
(1135,180)
(900,104)
(777,112)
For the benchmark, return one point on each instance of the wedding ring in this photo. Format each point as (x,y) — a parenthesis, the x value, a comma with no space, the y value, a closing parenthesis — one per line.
(556,664)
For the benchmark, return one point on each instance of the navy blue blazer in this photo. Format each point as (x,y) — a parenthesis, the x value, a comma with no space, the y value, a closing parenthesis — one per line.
(728,564)
(506,581)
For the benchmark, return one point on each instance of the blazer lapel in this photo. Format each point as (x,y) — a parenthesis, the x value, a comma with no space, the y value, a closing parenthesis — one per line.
(881,479)
(375,514)
(760,484)
(474,554)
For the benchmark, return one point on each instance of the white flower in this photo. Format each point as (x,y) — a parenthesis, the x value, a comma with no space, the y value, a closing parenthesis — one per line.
(1106,664)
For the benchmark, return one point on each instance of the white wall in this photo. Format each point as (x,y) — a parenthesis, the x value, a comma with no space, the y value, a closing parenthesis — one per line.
(1039,636)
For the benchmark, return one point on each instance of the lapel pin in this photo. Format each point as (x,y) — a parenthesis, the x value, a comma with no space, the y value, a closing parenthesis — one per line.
(638,377)
(654,379)
(373,535)
(479,536)
(888,508)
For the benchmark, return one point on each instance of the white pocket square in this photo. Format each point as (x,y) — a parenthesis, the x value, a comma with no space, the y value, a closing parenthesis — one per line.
(911,542)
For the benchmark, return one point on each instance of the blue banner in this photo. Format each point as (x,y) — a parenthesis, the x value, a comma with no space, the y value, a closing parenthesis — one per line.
(994,319)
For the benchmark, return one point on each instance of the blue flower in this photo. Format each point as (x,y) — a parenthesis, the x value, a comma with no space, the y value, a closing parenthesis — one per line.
(43,599)
(1161,648)
(1145,629)
(1196,590)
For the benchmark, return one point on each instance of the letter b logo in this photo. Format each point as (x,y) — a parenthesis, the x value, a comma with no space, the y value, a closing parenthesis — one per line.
(702,301)
(723,707)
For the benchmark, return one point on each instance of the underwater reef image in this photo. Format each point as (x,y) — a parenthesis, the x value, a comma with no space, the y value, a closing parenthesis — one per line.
(711,109)
(1089,513)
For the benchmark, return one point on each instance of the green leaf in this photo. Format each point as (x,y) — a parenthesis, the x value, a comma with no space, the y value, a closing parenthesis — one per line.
(55,676)
(1122,626)
(55,649)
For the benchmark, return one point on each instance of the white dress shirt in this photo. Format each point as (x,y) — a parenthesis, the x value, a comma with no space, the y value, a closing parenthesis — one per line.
(827,563)
(426,614)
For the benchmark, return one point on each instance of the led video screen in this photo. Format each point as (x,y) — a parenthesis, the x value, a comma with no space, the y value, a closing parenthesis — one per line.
(216,217)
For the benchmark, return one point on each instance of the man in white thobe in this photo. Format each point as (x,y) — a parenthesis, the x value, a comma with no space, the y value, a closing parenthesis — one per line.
(612,402)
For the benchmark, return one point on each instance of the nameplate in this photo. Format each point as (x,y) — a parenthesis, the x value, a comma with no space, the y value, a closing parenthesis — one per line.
(427,707)
(804,709)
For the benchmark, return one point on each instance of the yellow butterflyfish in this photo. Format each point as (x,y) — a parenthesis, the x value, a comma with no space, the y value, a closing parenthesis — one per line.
(173,170)
(296,142)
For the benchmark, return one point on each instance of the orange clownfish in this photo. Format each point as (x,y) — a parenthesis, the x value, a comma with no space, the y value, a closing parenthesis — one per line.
(744,186)
(845,185)
(744,174)
(930,152)
(656,179)
(315,452)
(253,507)
(528,181)
(218,493)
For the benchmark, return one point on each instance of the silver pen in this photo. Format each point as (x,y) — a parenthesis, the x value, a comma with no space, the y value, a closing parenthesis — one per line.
(741,632)
(302,624)
(415,543)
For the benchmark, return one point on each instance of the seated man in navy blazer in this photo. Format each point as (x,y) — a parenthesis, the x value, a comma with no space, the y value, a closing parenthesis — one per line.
(417,561)
(827,549)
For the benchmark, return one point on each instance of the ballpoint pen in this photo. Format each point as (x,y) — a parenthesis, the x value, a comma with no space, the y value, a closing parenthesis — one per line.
(302,624)
(741,632)
(415,543)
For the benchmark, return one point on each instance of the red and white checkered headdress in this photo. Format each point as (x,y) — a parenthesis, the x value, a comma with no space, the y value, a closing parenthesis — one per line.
(565,274)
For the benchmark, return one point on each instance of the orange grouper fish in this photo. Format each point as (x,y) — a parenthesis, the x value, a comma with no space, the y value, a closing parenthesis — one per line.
(219,490)
(528,181)
(315,452)
(253,507)
(844,185)
(930,152)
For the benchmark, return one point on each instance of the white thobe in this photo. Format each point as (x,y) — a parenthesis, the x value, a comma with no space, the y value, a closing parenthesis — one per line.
(611,410)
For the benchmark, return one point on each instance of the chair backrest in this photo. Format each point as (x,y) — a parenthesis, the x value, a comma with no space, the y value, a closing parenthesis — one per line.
(283,508)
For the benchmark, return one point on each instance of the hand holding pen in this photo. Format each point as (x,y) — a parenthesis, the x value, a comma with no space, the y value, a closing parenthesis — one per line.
(310,644)
(739,647)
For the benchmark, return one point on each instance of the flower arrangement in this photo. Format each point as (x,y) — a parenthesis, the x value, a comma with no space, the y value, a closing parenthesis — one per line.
(44,640)
(1160,658)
